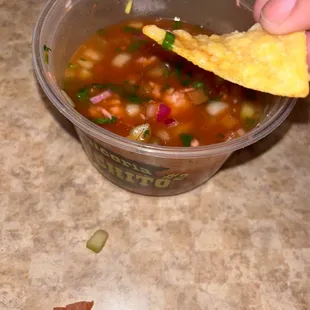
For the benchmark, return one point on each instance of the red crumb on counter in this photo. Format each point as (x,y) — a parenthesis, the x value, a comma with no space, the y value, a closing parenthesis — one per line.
(81,305)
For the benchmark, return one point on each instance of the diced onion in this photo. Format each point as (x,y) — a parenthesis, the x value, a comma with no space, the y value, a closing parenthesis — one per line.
(146,61)
(106,113)
(104,95)
(170,122)
(132,109)
(154,140)
(240,132)
(197,96)
(136,25)
(85,63)
(247,110)
(118,111)
(151,110)
(93,55)
(215,108)
(120,60)
(141,133)
(188,89)
(195,143)
(85,74)
(163,135)
(97,241)
(70,74)
(183,127)
(163,112)
(156,72)
(229,121)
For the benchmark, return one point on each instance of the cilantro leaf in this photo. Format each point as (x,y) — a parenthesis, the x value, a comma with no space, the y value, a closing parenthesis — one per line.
(220,135)
(185,82)
(101,31)
(83,94)
(198,84)
(133,47)
(146,133)
(250,123)
(135,99)
(178,71)
(105,120)
(46,48)
(131,29)
(166,87)
(166,73)
(177,24)
(186,139)
(113,87)
(99,86)
(72,66)
(168,41)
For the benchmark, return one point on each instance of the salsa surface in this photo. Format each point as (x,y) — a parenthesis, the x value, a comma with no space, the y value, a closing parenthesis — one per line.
(129,85)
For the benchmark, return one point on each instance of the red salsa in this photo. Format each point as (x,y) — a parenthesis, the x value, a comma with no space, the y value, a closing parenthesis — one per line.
(126,83)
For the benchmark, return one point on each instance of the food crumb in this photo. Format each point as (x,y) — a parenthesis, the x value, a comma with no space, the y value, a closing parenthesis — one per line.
(129,6)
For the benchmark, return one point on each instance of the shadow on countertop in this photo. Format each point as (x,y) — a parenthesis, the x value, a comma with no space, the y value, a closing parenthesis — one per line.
(300,114)
(59,118)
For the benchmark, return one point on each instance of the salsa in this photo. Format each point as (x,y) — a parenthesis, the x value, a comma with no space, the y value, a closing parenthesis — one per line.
(126,83)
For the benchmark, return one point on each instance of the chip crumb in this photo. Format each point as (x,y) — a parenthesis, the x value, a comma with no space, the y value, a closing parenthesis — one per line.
(129,6)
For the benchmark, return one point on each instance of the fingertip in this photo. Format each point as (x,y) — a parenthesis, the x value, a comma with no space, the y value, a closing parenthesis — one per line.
(269,26)
(258,6)
(256,12)
(278,11)
(308,48)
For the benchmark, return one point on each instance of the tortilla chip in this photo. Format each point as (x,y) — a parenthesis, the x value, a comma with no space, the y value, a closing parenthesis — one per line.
(252,59)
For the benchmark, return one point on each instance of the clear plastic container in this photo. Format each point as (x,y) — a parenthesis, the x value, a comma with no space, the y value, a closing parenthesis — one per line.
(140,168)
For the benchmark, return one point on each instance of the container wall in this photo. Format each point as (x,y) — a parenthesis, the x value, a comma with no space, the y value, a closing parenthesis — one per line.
(149,175)
(64,25)
(72,22)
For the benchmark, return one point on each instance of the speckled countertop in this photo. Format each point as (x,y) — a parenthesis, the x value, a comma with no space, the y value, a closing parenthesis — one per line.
(241,241)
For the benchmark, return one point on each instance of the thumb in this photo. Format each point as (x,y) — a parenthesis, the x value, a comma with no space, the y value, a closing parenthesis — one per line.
(285,16)
(308,47)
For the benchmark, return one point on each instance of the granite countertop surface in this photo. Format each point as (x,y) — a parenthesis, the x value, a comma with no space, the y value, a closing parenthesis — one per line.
(240,241)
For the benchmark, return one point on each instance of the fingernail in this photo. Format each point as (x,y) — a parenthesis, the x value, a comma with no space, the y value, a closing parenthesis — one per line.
(308,48)
(277,11)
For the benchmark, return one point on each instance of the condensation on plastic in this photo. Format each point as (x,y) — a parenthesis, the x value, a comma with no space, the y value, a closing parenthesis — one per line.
(145,169)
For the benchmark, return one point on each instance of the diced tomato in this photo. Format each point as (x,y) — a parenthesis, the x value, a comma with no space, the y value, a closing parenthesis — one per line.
(95,111)
(229,121)
(118,111)
(177,101)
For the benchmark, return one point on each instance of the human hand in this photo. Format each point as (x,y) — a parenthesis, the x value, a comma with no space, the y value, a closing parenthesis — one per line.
(284,16)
